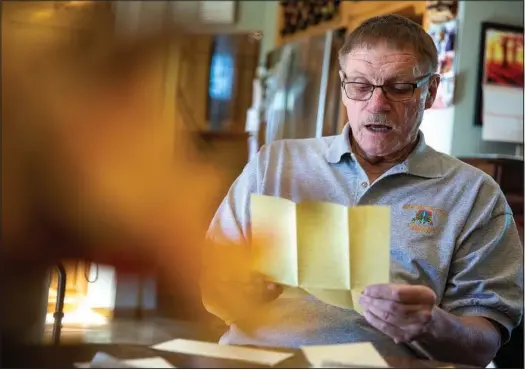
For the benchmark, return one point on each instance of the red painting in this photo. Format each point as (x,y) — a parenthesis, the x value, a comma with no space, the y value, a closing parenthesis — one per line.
(503,58)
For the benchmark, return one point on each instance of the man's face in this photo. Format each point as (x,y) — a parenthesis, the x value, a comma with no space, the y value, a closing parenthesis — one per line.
(382,127)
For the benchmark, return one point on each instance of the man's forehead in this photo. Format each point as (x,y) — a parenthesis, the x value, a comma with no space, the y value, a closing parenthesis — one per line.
(381,59)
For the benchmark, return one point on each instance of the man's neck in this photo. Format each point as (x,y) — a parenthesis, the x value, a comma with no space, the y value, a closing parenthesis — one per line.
(376,166)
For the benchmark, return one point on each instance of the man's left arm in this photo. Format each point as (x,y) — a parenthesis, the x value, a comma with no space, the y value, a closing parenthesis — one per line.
(483,300)
(481,305)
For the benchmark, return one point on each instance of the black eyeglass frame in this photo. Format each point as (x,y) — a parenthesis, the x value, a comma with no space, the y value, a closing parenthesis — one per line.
(415,85)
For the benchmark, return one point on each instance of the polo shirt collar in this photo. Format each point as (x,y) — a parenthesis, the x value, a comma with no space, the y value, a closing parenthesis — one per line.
(421,162)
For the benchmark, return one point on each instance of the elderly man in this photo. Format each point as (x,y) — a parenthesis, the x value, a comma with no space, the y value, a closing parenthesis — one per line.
(456,291)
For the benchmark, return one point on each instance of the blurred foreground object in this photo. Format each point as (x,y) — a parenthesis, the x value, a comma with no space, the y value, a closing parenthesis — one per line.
(89,165)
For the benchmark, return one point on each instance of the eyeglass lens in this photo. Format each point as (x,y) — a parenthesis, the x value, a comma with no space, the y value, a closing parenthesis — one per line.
(394,92)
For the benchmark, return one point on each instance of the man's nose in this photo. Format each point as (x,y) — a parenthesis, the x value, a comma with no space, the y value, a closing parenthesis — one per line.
(378,101)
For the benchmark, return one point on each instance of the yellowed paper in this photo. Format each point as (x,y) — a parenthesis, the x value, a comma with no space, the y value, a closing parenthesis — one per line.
(357,354)
(338,298)
(355,299)
(192,347)
(275,239)
(331,251)
(369,228)
(322,238)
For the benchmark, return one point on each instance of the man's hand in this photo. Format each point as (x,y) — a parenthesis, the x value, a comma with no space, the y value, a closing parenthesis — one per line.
(236,299)
(259,290)
(231,289)
(402,312)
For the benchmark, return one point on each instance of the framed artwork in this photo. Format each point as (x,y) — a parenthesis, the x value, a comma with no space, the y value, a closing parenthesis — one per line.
(445,36)
(501,64)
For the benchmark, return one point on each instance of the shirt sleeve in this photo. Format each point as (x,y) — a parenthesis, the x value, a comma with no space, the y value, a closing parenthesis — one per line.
(486,273)
(229,228)
(231,223)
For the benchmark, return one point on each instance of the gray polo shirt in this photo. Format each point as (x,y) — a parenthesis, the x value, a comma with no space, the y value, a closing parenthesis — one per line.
(452,230)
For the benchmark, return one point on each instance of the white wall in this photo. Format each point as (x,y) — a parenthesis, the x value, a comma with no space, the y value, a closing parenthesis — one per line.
(438,126)
(269,29)
(145,16)
(466,137)
(101,293)
(252,15)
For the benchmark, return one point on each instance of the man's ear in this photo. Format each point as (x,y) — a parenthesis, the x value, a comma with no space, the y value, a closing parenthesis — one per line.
(342,77)
(432,90)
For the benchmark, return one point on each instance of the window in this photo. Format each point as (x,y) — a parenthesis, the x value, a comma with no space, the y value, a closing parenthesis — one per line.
(221,83)
(221,76)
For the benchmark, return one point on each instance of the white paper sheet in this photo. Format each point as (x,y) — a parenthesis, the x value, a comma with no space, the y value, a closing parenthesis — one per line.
(358,354)
(102,360)
(192,347)
(150,363)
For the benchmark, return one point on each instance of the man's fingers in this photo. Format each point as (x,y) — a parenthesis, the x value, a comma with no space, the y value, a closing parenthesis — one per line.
(384,327)
(399,335)
(415,294)
(395,312)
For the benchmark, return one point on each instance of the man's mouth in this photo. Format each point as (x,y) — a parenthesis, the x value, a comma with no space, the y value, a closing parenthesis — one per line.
(378,128)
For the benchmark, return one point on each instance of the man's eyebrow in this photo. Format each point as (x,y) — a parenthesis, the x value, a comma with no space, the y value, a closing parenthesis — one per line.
(402,77)
(355,75)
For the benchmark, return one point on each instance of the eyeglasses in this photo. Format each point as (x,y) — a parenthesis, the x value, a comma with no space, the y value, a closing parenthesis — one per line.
(396,92)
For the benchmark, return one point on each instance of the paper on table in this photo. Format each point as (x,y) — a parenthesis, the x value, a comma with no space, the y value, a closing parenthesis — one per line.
(150,363)
(358,354)
(329,250)
(192,347)
(102,360)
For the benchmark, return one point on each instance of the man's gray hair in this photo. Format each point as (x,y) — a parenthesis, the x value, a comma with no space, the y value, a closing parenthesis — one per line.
(399,33)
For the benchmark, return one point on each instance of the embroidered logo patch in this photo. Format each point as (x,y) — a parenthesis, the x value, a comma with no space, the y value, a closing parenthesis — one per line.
(425,219)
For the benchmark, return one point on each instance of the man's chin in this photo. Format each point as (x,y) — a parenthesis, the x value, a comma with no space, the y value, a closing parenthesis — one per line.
(375,150)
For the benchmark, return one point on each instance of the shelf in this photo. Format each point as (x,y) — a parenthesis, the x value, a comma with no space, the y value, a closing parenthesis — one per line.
(222,135)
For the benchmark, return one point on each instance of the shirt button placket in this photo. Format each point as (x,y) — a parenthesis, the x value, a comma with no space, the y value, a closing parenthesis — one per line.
(362,186)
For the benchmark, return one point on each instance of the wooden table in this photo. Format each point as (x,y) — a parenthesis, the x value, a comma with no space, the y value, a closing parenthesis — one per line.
(64,356)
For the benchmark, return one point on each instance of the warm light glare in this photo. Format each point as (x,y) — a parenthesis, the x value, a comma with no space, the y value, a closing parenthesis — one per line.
(78,3)
(83,316)
(42,14)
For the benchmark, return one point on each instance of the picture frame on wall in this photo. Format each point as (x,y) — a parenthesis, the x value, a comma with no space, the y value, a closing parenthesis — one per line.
(499,93)
(444,35)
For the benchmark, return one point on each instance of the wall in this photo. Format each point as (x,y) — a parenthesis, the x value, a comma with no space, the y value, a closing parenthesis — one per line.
(466,138)
(269,29)
(252,15)
(101,293)
(438,126)
(249,15)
